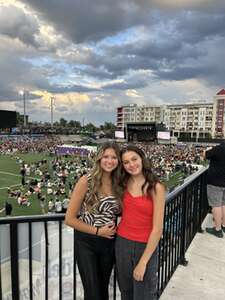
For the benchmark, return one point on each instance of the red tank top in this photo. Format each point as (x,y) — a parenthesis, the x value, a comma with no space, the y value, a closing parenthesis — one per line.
(137,218)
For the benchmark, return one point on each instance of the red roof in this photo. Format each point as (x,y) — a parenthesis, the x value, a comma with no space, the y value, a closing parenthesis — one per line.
(221,92)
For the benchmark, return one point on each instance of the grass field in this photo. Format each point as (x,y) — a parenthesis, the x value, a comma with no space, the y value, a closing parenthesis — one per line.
(10,176)
(175,179)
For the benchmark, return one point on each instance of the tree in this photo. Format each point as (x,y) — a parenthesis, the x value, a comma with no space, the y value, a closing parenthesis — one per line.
(56,124)
(19,119)
(90,127)
(109,126)
(63,122)
(74,124)
(109,129)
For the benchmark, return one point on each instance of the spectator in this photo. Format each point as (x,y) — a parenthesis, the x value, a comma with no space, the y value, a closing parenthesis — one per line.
(92,211)
(7,208)
(23,173)
(65,204)
(140,229)
(49,191)
(58,206)
(42,204)
(51,206)
(216,188)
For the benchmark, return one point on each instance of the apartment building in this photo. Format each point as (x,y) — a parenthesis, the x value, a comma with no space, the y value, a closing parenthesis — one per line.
(134,113)
(125,114)
(218,128)
(149,114)
(193,120)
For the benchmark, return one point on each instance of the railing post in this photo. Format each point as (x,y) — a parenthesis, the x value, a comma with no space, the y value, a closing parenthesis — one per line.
(74,266)
(204,196)
(183,260)
(0,277)
(14,260)
(201,204)
(46,259)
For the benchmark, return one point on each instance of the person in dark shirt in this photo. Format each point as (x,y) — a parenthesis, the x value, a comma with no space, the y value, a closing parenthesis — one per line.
(8,208)
(23,173)
(216,188)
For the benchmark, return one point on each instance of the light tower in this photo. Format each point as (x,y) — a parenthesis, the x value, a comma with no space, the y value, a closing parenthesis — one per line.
(51,108)
(23,93)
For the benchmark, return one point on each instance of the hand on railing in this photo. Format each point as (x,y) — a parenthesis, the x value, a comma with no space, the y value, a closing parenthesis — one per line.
(107,231)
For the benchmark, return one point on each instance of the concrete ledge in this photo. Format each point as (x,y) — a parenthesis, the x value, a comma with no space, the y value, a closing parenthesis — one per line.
(204,276)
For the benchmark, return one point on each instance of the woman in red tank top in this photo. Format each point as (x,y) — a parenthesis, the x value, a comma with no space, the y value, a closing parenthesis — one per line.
(140,229)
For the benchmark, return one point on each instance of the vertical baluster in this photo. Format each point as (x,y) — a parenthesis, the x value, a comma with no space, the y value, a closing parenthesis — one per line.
(60,260)
(46,259)
(14,260)
(30,259)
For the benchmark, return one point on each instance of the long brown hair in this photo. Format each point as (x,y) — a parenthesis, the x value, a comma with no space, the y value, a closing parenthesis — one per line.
(96,176)
(150,178)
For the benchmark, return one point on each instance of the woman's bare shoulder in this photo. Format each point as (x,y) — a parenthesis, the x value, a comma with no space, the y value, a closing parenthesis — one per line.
(83,181)
(159,188)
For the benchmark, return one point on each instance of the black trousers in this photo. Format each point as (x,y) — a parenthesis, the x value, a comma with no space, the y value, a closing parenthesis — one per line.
(95,260)
(128,253)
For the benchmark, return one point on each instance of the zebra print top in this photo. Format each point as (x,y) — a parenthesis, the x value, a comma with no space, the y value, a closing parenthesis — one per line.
(103,213)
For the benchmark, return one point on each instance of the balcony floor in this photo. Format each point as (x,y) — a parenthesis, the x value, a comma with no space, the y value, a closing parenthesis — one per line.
(204,276)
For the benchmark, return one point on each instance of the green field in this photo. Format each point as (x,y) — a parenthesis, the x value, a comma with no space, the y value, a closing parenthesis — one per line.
(10,176)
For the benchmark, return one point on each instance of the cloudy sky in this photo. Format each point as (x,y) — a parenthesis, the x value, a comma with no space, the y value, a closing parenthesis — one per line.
(95,55)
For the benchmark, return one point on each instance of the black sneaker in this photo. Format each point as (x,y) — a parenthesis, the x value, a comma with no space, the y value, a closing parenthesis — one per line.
(223,228)
(217,233)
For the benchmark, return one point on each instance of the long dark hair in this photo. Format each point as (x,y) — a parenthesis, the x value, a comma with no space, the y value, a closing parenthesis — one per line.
(150,178)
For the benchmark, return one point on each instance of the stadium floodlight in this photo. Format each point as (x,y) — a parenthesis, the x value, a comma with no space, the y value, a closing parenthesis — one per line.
(51,107)
(23,93)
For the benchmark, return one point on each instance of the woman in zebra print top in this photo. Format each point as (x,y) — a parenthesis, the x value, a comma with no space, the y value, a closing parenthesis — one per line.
(103,213)
(94,205)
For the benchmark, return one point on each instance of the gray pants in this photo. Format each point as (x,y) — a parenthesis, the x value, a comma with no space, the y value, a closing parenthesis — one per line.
(128,254)
(216,195)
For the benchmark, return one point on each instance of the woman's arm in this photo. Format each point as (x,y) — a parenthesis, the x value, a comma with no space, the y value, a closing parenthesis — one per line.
(75,203)
(153,240)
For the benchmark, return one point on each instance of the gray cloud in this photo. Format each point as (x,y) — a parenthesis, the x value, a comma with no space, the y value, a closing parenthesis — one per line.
(100,73)
(195,27)
(75,88)
(94,20)
(135,81)
(16,24)
(116,45)
(179,38)
(90,20)
(18,73)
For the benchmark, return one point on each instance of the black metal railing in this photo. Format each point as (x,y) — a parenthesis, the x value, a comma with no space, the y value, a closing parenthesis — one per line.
(186,208)
(38,253)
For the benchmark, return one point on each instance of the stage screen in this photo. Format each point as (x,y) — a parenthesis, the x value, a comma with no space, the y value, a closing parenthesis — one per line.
(163,135)
(7,119)
(119,134)
(141,132)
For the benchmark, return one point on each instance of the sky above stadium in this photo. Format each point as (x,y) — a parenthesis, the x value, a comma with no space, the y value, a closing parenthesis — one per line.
(95,55)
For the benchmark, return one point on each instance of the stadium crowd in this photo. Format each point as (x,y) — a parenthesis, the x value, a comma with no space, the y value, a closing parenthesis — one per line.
(26,144)
(167,159)
(52,180)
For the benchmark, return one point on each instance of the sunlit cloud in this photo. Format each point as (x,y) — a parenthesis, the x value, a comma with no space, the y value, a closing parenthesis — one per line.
(133,94)
(62,99)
